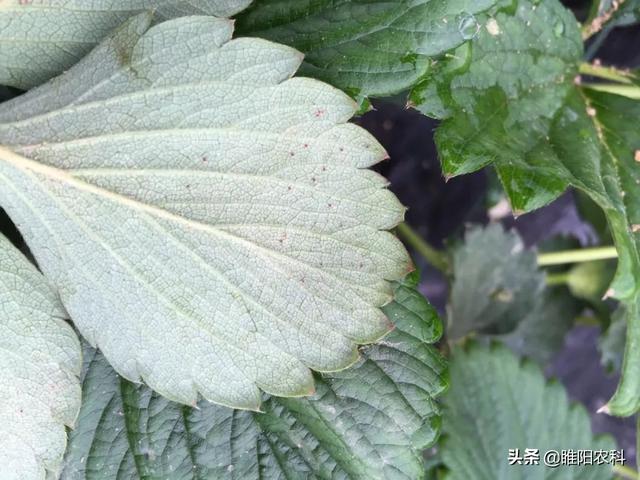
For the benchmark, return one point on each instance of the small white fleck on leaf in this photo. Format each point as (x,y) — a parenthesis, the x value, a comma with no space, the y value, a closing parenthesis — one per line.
(492,27)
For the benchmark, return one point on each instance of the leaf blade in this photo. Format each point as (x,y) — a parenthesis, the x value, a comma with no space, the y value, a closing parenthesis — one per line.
(53,34)
(499,293)
(540,130)
(226,209)
(40,367)
(516,408)
(329,435)
(365,48)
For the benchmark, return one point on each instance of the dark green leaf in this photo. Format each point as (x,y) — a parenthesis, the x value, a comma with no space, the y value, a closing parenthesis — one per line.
(498,292)
(513,407)
(510,100)
(370,421)
(611,343)
(365,47)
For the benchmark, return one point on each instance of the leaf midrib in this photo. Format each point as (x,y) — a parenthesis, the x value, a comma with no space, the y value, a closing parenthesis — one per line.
(245,296)
(23,163)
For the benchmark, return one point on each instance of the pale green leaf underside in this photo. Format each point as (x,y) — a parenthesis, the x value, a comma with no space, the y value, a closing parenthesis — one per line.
(39,39)
(513,407)
(39,368)
(209,222)
(369,422)
(367,47)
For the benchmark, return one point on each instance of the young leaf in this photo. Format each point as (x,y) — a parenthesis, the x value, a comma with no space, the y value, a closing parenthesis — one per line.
(496,282)
(210,222)
(513,408)
(39,369)
(511,100)
(42,38)
(367,422)
(365,47)
(498,292)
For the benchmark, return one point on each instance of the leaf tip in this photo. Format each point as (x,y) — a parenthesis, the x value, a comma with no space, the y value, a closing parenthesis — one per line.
(604,409)
(411,267)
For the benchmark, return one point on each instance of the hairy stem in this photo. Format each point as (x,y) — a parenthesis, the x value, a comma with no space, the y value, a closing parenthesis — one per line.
(440,260)
(577,256)
(435,257)
(560,278)
(593,27)
(629,91)
(606,73)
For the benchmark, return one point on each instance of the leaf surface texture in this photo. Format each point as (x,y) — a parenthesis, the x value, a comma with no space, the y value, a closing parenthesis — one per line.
(365,47)
(514,407)
(209,222)
(371,421)
(510,99)
(39,39)
(40,365)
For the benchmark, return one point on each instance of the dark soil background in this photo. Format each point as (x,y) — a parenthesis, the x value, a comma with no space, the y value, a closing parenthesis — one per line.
(440,211)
